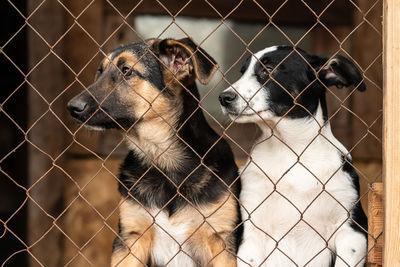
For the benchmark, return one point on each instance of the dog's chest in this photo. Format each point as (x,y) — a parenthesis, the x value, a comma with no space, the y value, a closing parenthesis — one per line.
(170,241)
(292,188)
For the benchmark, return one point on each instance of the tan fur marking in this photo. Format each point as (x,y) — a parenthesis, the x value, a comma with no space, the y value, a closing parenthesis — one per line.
(210,241)
(150,102)
(219,251)
(154,137)
(130,60)
(138,235)
(106,61)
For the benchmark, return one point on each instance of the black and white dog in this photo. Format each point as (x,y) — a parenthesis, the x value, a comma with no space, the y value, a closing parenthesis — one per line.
(300,193)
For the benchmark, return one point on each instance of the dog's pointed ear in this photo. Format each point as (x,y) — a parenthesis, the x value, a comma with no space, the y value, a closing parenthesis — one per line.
(183,58)
(338,71)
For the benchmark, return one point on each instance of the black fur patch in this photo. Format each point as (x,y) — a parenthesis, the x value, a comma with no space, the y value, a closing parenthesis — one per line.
(118,243)
(297,80)
(245,65)
(333,260)
(357,213)
(293,88)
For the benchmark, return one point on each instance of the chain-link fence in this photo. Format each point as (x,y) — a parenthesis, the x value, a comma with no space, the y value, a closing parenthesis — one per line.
(59,181)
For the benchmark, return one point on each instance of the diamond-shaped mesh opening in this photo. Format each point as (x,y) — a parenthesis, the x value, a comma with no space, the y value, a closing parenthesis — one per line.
(157,186)
(17,28)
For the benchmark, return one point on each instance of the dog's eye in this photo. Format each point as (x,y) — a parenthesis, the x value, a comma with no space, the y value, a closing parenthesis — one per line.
(268,69)
(99,71)
(127,71)
(265,72)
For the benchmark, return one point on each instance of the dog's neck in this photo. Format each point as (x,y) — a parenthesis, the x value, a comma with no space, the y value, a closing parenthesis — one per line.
(156,145)
(296,134)
(164,141)
(155,141)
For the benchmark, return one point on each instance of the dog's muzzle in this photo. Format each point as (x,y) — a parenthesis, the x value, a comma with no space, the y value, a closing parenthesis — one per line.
(77,107)
(227,98)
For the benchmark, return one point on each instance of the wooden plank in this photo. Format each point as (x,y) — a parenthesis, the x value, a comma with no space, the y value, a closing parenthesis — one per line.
(391,130)
(123,36)
(367,46)
(82,221)
(46,134)
(247,11)
(375,224)
(80,48)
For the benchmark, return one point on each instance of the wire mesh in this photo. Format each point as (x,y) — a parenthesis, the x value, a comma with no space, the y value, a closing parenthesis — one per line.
(76,195)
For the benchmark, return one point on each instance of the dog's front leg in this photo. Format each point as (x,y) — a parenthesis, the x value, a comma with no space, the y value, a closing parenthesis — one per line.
(221,251)
(136,234)
(252,251)
(249,254)
(212,249)
(134,250)
(351,247)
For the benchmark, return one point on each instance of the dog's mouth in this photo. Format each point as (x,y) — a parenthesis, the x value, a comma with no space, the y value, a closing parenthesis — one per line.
(95,120)
(88,126)
(94,128)
(247,117)
(247,112)
(77,120)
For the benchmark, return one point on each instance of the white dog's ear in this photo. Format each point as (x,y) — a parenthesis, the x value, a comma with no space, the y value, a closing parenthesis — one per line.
(338,71)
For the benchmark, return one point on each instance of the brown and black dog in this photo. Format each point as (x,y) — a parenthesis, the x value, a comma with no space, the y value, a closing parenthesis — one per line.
(179,183)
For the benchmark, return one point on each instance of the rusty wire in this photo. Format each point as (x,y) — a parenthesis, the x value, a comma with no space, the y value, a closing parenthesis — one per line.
(270,23)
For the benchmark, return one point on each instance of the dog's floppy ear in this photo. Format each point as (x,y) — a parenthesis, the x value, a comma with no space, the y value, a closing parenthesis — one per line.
(338,71)
(183,58)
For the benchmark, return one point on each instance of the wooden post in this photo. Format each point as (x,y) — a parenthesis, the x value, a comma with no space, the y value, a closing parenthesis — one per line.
(366,47)
(47,135)
(77,58)
(375,224)
(391,130)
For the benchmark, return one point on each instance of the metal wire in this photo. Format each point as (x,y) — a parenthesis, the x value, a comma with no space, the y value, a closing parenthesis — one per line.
(103,159)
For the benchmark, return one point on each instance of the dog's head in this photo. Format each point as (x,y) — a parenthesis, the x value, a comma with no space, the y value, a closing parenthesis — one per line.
(281,81)
(140,82)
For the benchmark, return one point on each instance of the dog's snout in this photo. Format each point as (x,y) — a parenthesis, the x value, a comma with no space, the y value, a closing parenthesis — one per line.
(77,107)
(226,98)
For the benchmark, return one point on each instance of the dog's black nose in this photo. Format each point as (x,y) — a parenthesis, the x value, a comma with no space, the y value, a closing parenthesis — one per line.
(226,98)
(77,107)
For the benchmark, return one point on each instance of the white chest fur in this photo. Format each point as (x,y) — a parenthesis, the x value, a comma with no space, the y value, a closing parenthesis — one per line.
(296,202)
(296,184)
(170,242)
